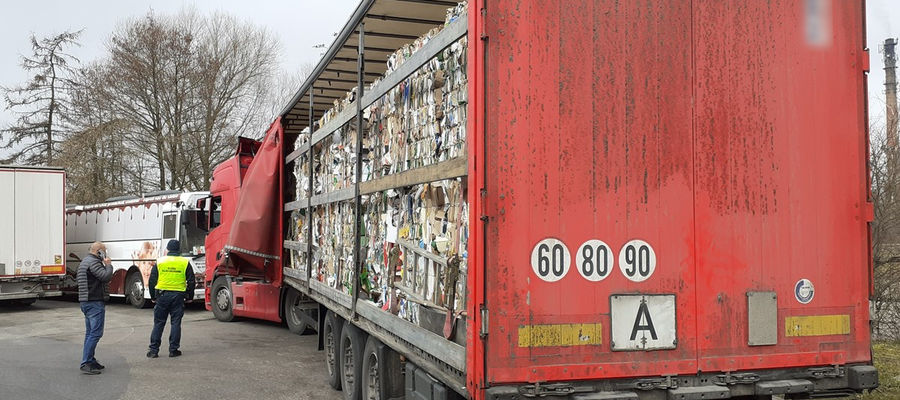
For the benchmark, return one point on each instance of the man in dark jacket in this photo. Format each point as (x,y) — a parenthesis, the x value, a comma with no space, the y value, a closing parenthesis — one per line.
(171,283)
(94,273)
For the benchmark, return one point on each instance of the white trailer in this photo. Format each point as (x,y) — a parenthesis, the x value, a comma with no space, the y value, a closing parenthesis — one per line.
(136,230)
(32,236)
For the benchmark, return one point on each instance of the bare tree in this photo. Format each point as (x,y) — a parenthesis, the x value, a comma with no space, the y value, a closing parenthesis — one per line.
(42,101)
(280,92)
(234,65)
(190,85)
(884,165)
(136,81)
(96,155)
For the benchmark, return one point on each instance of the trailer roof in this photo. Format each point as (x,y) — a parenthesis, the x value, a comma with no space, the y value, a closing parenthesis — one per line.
(34,167)
(389,24)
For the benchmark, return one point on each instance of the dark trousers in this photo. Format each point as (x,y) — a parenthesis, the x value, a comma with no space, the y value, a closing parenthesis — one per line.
(167,304)
(94,318)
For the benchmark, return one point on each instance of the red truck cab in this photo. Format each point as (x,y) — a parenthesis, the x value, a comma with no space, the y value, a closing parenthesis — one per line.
(226,297)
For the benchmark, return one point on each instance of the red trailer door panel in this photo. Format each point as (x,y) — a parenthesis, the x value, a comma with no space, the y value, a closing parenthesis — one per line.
(674,187)
(589,175)
(780,184)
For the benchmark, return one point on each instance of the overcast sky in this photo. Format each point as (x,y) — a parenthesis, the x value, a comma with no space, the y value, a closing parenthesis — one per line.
(299,24)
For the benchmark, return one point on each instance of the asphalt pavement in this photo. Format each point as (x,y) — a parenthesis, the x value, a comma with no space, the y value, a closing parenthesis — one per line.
(40,352)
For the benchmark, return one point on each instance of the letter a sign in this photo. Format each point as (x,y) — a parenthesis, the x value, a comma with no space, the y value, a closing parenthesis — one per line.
(643,322)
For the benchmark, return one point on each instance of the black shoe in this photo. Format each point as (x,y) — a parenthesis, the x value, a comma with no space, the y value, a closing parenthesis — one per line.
(152,354)
(89,369)
(174,353)
(97,365)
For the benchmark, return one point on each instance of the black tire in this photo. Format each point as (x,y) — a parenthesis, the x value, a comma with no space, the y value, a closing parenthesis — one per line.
(292,312)
(353,342)
(222,300)
(382,376)
(134,290)
(331,332)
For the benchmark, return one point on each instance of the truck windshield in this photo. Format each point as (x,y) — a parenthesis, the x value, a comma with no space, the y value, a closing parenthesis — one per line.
(192,237)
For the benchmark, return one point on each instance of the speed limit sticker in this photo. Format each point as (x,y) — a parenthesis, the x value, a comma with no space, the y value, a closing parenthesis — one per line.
(550,259)
(637,260)
(594,260)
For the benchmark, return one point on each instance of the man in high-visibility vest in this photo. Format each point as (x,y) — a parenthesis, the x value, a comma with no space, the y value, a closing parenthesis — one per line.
(171,283)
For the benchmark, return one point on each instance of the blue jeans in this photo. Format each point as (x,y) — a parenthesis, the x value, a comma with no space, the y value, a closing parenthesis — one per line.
(94,318)
(167,304)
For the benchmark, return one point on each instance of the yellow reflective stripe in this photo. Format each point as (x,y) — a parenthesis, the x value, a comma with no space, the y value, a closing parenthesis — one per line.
(817,325)
(560,335)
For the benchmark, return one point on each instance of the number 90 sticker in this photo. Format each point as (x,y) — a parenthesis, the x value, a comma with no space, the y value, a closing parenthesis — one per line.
(594,260)
(637,260)
(550,259)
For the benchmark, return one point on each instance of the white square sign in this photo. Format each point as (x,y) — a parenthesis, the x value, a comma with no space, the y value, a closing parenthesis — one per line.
(643,322)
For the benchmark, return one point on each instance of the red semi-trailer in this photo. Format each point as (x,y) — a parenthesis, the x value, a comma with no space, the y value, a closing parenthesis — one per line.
(663,200)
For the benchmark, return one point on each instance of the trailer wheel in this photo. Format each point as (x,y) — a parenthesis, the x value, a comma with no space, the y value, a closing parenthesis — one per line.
(222,306)
(382,377)
(134,290)
(331,331)
(293,302)
(352,345)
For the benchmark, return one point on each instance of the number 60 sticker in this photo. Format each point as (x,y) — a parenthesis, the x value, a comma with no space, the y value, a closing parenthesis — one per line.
(550,259)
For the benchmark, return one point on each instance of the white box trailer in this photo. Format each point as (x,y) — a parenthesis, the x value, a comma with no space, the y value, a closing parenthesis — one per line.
(32,233)
(136,230)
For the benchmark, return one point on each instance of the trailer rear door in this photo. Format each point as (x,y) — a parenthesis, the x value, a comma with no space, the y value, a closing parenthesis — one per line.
(39,221)
(589,174)
(782,254)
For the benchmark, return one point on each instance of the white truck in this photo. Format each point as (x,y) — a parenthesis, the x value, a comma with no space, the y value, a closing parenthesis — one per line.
(32,236)
(136,230)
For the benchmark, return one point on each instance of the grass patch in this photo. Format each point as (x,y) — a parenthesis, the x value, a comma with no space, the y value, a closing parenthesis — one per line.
(887,360)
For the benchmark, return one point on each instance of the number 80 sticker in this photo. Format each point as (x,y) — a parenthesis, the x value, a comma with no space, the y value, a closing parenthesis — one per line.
(550,259)
(594,260)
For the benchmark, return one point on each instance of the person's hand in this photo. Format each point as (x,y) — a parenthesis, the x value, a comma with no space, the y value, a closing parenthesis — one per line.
(107,261)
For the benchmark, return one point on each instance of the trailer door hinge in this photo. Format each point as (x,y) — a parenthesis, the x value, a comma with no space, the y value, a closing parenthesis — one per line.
(484,35)
(484,322)
(865,60)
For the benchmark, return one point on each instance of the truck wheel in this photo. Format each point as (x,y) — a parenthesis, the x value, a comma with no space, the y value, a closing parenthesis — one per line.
(332,335)
(293,303)
(382,377)
(352,345)
(134,290)
(222,306)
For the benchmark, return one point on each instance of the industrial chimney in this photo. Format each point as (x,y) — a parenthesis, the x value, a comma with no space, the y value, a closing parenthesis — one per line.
(890,91)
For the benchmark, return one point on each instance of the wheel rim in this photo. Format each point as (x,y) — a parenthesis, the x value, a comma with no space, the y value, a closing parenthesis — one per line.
(374,379)
(294,312)
(347,346)
(329,350)
(137,290)
(222,299)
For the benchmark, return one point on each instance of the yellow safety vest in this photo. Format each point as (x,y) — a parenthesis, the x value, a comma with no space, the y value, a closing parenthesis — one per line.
(171,273)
